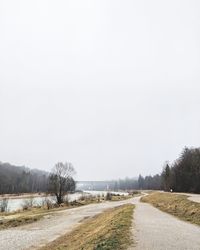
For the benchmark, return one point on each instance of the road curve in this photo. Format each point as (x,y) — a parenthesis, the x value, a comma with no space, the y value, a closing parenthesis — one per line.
(152,229)
(193,197)
(39,233)
(156,230)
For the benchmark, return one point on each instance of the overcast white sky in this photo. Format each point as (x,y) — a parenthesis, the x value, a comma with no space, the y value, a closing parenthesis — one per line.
(111,86)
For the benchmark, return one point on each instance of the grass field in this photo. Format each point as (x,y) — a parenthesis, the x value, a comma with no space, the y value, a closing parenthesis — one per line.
(175,204)
(107,231)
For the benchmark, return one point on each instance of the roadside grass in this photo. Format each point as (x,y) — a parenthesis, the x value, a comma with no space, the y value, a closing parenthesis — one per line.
(19,218)
(109,230)
(121,197)
(15,222)
(33,214)
(175,204)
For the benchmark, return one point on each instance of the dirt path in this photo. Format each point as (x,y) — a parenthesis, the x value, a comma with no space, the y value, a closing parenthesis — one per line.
(156,230)
(52,226)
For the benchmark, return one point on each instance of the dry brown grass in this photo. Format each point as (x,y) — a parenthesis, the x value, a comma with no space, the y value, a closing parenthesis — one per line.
(121,197)
(175,204)
(109,230)
(15,222)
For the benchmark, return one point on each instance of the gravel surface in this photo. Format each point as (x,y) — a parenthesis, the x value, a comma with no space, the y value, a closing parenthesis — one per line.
(155,230)
(152,229)
(191,197)
(39,233)
(194,197)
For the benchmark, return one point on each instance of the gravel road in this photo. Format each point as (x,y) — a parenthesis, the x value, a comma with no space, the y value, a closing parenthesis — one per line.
(34,235)
(155,230)
(152,229)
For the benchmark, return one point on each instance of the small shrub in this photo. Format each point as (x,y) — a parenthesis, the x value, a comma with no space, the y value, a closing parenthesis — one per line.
(98,197)
(47,203)
(4,205)
(66,200)
(28,203)
(108,196)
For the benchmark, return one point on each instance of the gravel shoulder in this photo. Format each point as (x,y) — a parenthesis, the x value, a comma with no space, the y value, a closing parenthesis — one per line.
(156,230)
(37,234)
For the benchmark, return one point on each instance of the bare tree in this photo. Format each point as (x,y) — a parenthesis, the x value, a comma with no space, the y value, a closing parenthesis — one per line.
(61,180)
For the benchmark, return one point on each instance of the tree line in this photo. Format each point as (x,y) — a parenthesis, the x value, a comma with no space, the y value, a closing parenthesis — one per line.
(20,179)
(112,185)
(183,175)
(17,180)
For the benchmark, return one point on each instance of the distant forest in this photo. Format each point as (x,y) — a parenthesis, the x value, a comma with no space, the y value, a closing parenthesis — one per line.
(15,179)
(181,176)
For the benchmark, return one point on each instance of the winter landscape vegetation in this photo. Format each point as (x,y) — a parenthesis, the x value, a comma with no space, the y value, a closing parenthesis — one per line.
(99,214)
(99,125)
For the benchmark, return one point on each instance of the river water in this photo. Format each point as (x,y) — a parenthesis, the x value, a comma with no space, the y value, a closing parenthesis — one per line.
(17,203)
